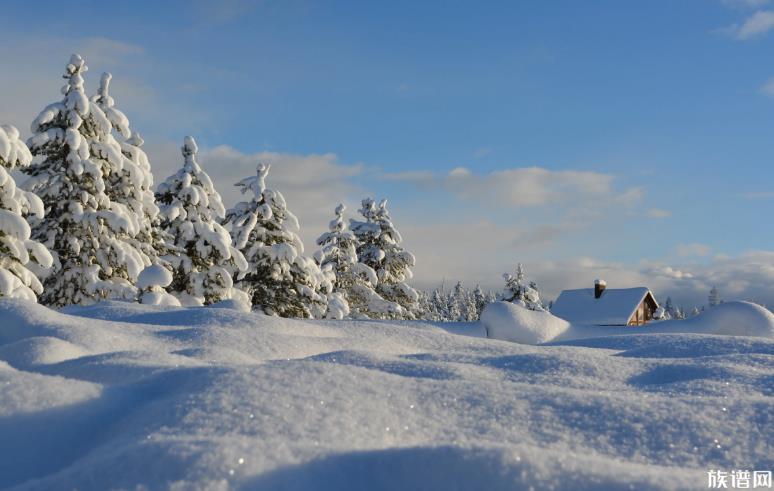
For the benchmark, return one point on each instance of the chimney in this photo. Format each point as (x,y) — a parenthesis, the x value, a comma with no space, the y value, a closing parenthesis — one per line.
(599,287)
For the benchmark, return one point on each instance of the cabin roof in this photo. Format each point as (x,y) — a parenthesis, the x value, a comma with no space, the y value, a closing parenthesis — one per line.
(615,307)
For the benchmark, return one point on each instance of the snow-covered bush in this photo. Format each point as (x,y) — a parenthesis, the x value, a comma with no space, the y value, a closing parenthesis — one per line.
(518,290)
(353,280)
(18,253)
(279,279)
(152,283)
(191,211)
(379,248)
(89,236)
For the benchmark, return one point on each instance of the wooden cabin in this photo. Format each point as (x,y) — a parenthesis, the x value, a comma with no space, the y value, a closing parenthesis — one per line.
(602,306)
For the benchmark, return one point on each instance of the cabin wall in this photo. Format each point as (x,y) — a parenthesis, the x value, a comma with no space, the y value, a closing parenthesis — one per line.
(643,314)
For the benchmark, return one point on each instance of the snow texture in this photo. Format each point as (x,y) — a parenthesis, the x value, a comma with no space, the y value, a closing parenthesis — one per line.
(128,396)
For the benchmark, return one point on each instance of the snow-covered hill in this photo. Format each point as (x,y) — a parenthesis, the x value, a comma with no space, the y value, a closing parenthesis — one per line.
(128,396)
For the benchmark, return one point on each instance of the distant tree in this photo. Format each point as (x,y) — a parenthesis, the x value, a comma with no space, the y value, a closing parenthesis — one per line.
(714,297)
(355,281)
(695,311)
(669,309)
(519,290)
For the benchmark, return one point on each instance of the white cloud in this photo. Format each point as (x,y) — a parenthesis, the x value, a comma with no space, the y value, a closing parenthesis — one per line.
(758,195)
(768,88)
(756,25)
(528,187)
(695,249)
(744,3)
(38,64)
(658,213)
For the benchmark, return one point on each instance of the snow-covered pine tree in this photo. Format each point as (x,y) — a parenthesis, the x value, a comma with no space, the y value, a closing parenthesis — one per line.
(280,279)
(438,307)
(131,186)
(669,309)
(89,237)
(695,311)
(379,248)
(18,253)
(480,301)
(191,211)
(518,290)
(354,280)
(714,297)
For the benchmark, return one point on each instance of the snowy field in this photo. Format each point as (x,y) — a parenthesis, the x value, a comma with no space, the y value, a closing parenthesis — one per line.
(128,396)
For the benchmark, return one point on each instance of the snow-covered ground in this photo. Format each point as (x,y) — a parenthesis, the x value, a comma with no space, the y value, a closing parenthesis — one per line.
(130,396)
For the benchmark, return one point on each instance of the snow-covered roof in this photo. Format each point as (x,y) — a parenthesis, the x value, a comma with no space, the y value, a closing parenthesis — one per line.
(615,307)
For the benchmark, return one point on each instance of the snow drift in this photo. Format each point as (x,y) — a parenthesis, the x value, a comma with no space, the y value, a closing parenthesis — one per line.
(132,396)
(511,322)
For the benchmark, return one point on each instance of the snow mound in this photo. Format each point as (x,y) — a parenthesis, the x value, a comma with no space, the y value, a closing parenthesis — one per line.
(730,318)
(42,350)
(154,275)
(511,322)
(208,398)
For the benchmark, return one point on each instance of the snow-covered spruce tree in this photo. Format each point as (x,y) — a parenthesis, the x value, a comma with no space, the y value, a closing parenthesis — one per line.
(353,280)
(480,300)
(191,211)
(518,290)
(714,297)
(89,237)
(20,257)
(669,309)
(695,311)
(131,186)
(379,248)
(279,279)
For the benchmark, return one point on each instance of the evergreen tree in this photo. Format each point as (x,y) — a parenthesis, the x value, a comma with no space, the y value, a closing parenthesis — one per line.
(355,281)
(279,279)
(480,301)
(438,305)
(89,237)
(20,257)
(669,309)
(714,297)
(131,186)
(695,311)
(379,248)
(191,211)
(518,290)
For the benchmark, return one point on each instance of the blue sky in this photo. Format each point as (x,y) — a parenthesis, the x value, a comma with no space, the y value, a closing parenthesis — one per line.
(649,123)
